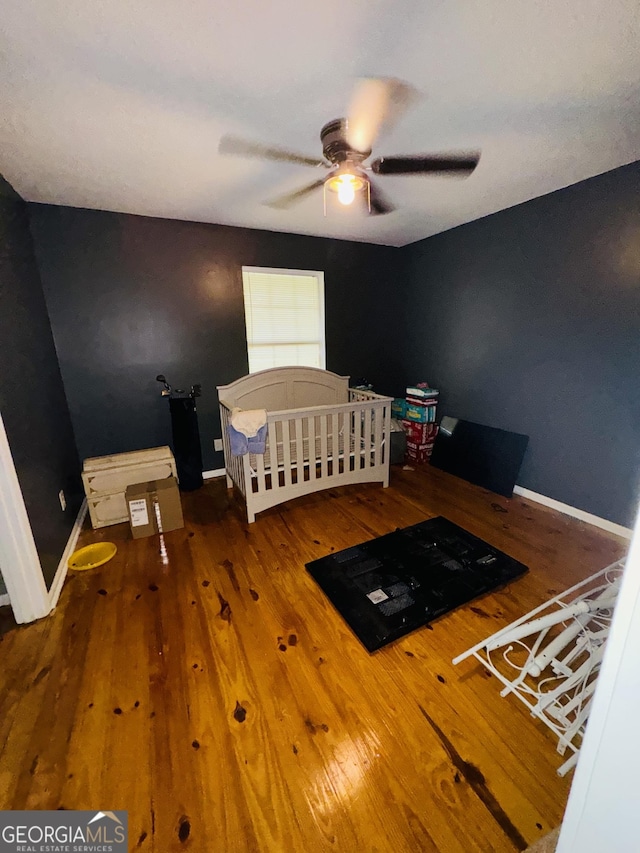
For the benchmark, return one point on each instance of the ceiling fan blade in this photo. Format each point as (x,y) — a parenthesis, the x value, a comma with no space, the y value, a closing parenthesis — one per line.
(289,199)
(377,103)
(462,164)
(243,148)
(380,204)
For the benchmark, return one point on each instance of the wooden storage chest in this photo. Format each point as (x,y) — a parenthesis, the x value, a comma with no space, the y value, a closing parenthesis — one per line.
(106,478)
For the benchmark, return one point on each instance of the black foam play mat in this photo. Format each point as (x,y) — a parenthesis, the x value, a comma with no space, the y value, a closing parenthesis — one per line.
(396,583)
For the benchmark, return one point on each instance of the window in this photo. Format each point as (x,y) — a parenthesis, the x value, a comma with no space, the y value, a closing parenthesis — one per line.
(284,312)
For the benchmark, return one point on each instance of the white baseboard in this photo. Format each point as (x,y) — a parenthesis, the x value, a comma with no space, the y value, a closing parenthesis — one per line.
(210,475)
(573,511)
(61,571)
(4,599)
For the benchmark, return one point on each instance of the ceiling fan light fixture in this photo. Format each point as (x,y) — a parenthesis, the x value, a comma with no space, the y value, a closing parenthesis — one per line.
(346,184)
(346,191)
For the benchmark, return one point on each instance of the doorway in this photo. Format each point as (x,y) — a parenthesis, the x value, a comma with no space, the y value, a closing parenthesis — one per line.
(21,570)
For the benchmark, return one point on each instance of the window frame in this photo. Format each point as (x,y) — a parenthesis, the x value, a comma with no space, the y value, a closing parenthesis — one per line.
(282,271)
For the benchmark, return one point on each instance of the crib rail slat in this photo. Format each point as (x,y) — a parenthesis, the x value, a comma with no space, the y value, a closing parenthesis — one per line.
(378,415)
(300,458)
(286,454)
(324,460)
(357,439)
(367,438)
(260,469)
(273,449)
(313,450)
(386,433)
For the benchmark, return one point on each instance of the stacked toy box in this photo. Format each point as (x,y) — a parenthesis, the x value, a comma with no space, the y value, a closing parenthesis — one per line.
(418,414)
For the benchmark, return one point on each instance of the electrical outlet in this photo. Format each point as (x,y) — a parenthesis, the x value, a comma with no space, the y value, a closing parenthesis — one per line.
(217,444)
(62,499)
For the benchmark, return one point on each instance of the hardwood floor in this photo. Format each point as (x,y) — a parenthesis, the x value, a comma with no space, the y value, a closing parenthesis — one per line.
(223,702)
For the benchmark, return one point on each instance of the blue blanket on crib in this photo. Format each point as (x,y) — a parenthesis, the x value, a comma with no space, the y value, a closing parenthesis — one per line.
(240,444)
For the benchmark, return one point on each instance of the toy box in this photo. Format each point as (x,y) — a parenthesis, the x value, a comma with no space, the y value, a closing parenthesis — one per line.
(106,478)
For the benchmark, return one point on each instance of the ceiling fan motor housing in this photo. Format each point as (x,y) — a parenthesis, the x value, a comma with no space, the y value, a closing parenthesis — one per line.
(335,146)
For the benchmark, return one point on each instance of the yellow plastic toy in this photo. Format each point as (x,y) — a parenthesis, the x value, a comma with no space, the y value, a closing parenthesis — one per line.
(92,556)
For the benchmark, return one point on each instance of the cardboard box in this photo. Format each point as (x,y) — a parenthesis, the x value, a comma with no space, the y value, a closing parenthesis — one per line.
(421,414)
(419,453)
(421,401)
(398,408)
(421,390)
(417,448)
(420,433)
(142,499)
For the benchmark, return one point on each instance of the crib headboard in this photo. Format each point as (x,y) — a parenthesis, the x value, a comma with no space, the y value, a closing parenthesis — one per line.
(282,388)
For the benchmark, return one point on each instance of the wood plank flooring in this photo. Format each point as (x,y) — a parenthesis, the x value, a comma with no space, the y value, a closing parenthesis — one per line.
(222,701)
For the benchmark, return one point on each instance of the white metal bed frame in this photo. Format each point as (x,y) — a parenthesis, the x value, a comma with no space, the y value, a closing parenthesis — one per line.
(551,662)
(320,434)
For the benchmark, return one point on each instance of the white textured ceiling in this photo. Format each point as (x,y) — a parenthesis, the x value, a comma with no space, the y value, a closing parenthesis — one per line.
(120,104)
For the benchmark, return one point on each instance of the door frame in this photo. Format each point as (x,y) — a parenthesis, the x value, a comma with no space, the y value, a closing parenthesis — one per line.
(19,561)
(604,792)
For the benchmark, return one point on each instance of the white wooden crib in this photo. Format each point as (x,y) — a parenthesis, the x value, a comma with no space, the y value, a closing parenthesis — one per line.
(320,434)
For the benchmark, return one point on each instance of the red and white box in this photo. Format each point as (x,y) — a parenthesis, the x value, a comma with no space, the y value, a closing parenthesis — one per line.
(420,433)
(419,452)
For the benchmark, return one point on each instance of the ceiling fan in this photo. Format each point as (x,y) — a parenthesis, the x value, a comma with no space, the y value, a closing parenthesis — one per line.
(347,145)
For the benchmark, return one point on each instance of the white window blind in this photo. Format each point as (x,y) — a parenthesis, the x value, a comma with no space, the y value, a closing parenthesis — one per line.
(284,312)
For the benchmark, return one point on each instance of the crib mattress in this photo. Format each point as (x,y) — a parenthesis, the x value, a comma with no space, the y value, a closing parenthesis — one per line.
(309,451)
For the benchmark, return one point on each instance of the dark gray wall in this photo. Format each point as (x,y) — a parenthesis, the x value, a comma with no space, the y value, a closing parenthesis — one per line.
(529,320)
(130,297)
(32,397)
